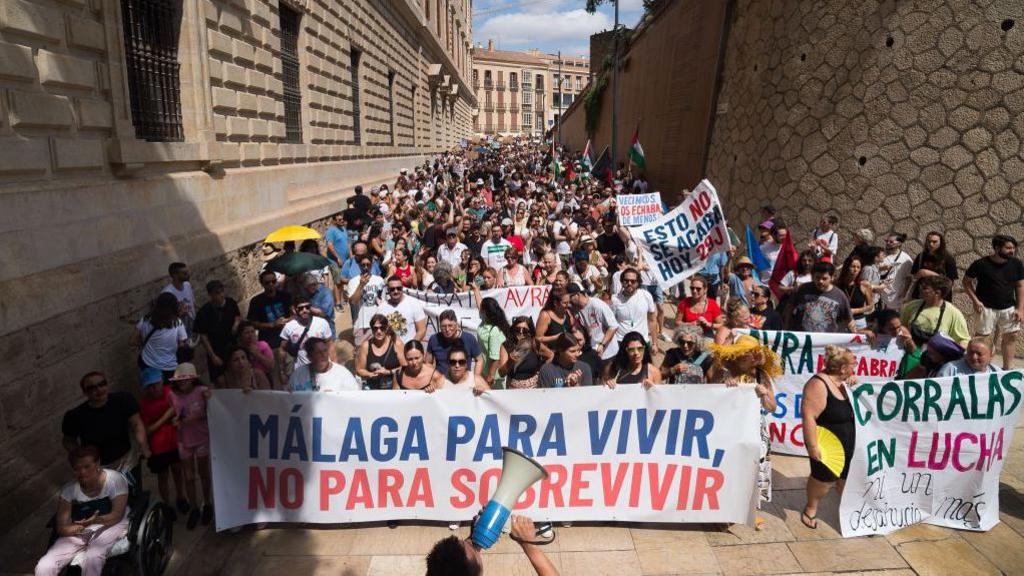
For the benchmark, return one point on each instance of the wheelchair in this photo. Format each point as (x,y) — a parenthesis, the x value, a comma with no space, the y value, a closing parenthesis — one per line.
(147,547)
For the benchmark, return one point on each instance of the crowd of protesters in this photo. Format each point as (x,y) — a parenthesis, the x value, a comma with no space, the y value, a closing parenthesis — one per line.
(512,214)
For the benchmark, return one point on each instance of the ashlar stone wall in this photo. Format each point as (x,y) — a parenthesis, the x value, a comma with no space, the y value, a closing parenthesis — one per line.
(896,115)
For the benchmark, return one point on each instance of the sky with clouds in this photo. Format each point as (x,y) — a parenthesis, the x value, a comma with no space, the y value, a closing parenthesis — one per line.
(550,25)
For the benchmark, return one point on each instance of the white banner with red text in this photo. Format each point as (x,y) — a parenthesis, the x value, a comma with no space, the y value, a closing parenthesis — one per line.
(931,451)
(678,244)
(670,454)
(515,301)
(802,355)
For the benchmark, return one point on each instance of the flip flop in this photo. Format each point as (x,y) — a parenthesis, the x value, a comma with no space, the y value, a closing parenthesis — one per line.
(758,523)
(808,520)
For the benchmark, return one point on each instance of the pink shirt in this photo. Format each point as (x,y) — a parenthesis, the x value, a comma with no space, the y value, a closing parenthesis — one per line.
(193,430)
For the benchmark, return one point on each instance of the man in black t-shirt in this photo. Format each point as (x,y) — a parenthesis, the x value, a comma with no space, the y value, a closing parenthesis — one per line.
(270,310)
(995,285)
(818,306)
(215,323)
(106,420)
(362,202)
(609,243)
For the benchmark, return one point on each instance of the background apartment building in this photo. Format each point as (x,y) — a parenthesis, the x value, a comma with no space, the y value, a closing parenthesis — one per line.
(135,133)
(524,92)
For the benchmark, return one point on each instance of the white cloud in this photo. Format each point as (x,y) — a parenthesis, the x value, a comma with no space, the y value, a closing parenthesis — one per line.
(542,29)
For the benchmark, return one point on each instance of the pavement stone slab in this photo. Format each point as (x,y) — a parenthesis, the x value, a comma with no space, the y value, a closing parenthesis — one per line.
(870,553)
(774,529)
(920,532)
(755,559)
(610,563)
(312,566)
(673,552)
(946,557)
(1001,545)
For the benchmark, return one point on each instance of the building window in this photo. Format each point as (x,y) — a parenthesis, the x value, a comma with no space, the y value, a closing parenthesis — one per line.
(476,78)
(412,106)
(290,74)
(354,57)
(488,84)
(391,107)
(151,30)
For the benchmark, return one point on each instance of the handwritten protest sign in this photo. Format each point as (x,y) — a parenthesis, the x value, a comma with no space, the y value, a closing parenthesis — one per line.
(930,451)
(671,454)
(639,209)
(516,301)
(677,245)
(802,355)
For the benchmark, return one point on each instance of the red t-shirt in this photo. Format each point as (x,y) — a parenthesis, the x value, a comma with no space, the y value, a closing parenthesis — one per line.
(516,242)
(684,314)
(165,438)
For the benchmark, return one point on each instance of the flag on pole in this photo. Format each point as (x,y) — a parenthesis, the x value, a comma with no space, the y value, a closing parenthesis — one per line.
(588,160)
(785,262)
(754,252)
(603,167)
(556,169)
(636,151)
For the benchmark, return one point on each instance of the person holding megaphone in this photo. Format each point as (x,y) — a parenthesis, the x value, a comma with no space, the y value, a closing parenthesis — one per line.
(452,556)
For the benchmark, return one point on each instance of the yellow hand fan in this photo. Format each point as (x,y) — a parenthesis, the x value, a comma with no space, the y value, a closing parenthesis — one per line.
(833,456)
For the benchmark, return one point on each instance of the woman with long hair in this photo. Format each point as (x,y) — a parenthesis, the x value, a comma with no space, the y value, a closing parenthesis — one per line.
(554,320)
(523,365)
(492,334)
(747,361)
(588,355)
(565,370)
(414,375)
(261,357)
(632,364)
(737,316)
(380,357)
(161,335)
(934,260)
(862,298)
(425,271)
(763,314)
(690,361)
(796,278)
(402,267)
(240,374)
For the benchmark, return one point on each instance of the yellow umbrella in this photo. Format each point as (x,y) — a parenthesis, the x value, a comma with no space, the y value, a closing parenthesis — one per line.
(292,233)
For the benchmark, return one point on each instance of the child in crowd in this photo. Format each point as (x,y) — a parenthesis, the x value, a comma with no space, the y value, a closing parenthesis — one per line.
(189,402)
(157,415)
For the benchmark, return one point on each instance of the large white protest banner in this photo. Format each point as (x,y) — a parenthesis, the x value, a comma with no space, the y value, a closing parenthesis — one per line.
(669,454)
(515,301)
(677,245)
(802,355)
(930,451)
(639,209)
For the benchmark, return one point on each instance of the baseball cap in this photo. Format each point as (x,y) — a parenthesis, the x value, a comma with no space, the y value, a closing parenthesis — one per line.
(149,376)
(574,288)
(479,181)
(506,222)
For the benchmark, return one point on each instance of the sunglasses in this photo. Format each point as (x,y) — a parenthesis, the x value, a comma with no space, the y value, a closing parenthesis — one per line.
(687,343)
(521,330)
(94,387)
(635,349)
(377,327)
(630,281)
(394,288)
(302,307)
(696,289)
(458,362)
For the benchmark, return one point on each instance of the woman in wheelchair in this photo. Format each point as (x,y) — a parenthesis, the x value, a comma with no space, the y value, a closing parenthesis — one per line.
(92,515)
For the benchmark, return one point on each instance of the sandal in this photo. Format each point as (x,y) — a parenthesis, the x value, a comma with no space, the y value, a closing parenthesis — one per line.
(808,520)
(758,523)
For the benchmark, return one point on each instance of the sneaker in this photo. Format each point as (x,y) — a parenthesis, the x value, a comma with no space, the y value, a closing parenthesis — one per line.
(193,519)
(207,514)
(566,524)
(182,505)
(453,526)
(664,338)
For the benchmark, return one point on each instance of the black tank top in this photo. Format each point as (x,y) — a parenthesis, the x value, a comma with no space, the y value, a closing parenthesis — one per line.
(557,328)
(837,413)
(387,360)
(633,378)
(857,299)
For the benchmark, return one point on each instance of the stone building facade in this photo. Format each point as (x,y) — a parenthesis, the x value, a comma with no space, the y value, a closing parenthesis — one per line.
(519,92)
(239,116)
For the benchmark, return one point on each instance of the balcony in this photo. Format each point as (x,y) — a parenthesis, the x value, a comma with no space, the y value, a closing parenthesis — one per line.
(487,107)
(476,85)
(500,86)
(513,86)
(539,88)
(488,85)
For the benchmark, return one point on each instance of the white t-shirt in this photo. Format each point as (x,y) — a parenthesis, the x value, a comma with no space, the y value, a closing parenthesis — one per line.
(791,279)
(895,278)
(114,485)
(336,379)
(631,314)
(185,295)
(771,251)
(161,350)
(597,318)
(292,332)
(403,317)
(586,278)
(372,292)
(452,256)
(493,253)
(830,239)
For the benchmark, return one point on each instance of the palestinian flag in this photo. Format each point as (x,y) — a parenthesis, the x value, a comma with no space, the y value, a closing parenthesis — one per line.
(587,162)
(636,151)
(556,167)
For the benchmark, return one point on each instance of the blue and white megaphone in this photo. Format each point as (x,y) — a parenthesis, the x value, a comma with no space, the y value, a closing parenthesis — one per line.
(518,472)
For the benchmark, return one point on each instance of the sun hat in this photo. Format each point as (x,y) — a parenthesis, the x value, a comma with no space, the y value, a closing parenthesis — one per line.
(184,371)
(726,353)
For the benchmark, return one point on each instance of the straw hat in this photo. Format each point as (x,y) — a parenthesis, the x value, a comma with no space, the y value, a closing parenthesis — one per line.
(726,353)
(185,371)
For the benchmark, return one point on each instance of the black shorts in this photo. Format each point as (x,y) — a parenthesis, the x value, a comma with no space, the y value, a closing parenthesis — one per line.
(821,473)
(160,463)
